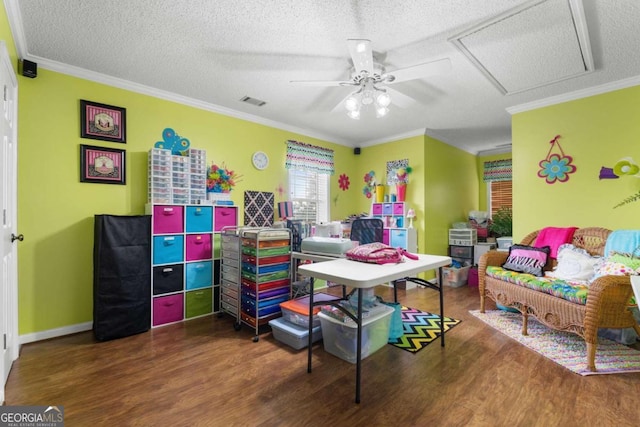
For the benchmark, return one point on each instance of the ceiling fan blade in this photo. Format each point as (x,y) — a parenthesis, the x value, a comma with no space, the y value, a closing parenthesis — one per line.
(361,55)
(400,99)
(441,66)
(320,83)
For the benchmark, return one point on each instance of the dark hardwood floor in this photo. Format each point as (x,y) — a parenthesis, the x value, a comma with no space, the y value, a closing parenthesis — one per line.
(204,373)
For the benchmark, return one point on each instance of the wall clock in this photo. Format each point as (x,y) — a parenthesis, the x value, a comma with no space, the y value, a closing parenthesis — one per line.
(260,160)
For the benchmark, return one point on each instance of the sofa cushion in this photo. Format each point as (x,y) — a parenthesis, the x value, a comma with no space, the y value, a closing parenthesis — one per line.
(527,259)
(571,291)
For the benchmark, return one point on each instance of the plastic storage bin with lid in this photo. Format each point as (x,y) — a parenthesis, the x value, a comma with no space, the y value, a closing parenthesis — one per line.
(296,311)
(340,338)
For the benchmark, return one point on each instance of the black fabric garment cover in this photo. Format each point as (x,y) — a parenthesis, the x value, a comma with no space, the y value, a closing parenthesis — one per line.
(121,276)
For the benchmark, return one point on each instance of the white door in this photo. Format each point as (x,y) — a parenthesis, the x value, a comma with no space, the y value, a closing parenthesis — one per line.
(8,239)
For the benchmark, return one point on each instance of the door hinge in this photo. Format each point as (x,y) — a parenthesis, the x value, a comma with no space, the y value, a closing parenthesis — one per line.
(4,217)
(4,338)
(5,93)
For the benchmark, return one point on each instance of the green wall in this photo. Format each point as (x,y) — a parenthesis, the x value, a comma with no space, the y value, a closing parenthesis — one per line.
(56,210)
(451,191)
(375,159)
(596,131)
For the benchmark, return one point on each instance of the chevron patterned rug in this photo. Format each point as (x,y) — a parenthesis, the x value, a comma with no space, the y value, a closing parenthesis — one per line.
(420,329)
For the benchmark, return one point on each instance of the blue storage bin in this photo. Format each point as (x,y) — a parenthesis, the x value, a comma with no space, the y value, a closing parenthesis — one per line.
(199,219)
(199,275)
(168,249)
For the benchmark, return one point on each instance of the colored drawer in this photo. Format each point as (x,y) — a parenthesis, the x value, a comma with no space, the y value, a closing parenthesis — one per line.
(265,260)
(229,289)
(230,308)
(198,246)
(230,273)
(398,208)
(217,245)
(168,219)
(168,249)
(167,279)
(199,219)
(376,209)
(198,303)
(225,216)
(461,251)
(229,300)
(398,238)
(399,221)
(387,209)
(385,236)
(216,271)
(167,309)
(199,275)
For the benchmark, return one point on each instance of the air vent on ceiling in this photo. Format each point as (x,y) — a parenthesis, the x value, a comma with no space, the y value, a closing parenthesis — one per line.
(252,101)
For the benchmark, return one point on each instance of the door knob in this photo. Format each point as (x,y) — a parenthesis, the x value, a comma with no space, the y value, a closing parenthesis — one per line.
(19,237)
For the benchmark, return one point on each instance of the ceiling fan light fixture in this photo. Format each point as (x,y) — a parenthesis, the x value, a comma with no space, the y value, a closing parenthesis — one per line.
(351,103)
(355,114)
(383,99)
(381,111)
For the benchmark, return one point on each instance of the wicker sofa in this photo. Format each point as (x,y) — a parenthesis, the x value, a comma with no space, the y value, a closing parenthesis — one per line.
(606,302)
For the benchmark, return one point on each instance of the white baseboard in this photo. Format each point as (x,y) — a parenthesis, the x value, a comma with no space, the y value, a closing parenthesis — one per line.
(53,333)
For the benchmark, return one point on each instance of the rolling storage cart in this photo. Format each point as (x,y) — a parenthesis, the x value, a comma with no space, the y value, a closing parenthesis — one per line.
(230,274)
(265,275)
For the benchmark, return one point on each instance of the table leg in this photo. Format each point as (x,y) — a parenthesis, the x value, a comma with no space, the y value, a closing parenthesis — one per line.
(441,307)
(359,346)
(310,342)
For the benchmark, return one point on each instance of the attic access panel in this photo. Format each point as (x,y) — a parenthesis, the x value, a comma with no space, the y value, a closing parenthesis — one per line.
(534,45)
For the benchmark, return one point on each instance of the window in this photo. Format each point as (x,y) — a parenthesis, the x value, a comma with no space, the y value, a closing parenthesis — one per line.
(499,195)
(309,193)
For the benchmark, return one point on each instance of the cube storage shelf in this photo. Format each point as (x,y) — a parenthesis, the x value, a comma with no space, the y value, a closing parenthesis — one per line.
(395,233)
(185,248)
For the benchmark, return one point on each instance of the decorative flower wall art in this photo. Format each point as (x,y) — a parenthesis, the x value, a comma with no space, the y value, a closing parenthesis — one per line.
(556,167)
(369,184)
(343,182)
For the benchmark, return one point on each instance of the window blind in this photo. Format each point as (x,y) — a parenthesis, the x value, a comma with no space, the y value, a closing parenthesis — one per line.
(309,194)
(500,195)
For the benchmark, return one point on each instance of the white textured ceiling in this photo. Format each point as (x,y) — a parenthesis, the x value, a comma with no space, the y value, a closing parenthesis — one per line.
(213,53)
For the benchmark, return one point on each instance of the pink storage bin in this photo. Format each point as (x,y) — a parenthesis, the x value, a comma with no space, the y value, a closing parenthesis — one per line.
(168,309)
(168,219)
(398,208)
(198,246)
(225,217)
(377,209)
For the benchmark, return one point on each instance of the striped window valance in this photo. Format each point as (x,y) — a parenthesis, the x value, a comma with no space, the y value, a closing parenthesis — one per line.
(498,170)
(308,157)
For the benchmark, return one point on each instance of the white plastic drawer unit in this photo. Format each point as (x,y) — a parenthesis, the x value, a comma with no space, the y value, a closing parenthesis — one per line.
(463,236)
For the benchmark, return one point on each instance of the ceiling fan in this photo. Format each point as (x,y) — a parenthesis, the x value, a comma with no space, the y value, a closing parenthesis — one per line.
(370,79)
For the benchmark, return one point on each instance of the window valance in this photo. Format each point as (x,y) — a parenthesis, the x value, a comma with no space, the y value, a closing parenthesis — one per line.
(309,157)
(497,170)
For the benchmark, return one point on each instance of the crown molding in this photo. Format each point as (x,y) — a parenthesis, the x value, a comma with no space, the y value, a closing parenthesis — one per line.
(578,94)
(169,96)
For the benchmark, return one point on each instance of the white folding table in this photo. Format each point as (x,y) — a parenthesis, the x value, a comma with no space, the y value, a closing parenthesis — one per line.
(361,276)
